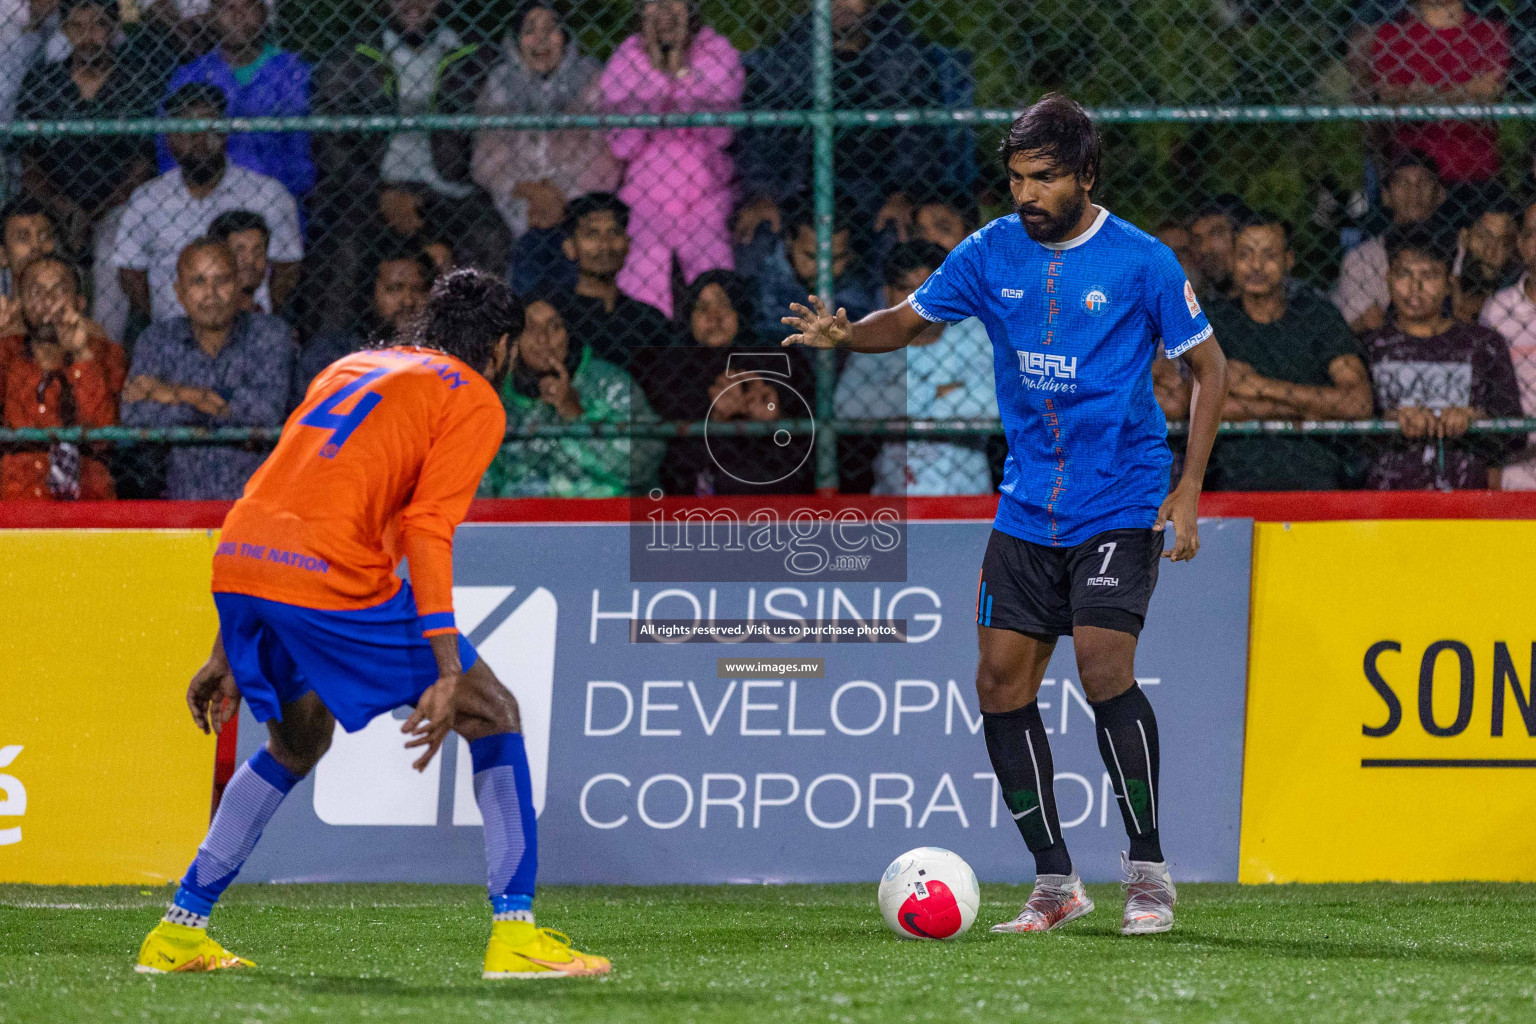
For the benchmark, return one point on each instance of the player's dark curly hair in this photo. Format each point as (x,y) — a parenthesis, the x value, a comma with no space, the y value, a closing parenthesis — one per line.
(467,313)
(1059,128)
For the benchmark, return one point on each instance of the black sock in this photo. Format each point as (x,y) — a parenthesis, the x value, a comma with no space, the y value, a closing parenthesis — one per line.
(1127,732)
(1021,759)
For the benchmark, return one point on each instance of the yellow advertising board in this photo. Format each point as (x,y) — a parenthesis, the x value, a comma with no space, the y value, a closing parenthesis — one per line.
(1391,729)
(103,777)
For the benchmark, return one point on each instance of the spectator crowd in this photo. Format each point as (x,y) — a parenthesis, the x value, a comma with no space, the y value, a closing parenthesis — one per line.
(196,278)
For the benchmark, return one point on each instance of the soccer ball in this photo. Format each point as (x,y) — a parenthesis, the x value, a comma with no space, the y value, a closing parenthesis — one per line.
(929,893)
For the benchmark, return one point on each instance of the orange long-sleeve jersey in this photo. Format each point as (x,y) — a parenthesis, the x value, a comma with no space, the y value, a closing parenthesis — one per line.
(380,460)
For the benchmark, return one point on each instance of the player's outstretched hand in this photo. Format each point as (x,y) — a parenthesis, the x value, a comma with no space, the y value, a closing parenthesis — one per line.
(430,723)
(213,696)
(818,328)
(1183,507)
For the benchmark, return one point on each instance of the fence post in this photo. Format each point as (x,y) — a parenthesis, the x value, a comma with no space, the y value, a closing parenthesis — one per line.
(825,137)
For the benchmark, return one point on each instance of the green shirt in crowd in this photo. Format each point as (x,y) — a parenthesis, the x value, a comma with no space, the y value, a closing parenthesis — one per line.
(584,467)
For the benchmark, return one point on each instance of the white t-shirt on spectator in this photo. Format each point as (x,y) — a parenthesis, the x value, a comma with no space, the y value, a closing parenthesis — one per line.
(162,217)
(1363,280)
(1512,313)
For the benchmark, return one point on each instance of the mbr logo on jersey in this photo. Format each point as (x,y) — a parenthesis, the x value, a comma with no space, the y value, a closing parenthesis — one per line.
(1095,301)
(1013,293)
(1042,371)
(1042,364)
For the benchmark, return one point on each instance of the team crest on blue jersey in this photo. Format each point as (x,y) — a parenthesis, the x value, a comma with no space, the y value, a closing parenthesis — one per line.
(1095,300)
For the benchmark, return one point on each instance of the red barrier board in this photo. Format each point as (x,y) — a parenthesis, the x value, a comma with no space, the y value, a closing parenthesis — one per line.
(1277,506)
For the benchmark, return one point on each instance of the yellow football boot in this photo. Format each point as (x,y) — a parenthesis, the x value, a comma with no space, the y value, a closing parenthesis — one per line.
(518,949)
(172,948)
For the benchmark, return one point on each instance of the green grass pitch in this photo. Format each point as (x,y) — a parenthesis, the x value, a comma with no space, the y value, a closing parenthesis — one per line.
(338,953)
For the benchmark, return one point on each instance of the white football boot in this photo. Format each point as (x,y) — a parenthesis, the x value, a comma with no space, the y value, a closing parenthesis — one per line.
(1056,900)
(1149,897)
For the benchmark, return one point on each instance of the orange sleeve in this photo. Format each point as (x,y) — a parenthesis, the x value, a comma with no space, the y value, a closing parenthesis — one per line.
(470,437)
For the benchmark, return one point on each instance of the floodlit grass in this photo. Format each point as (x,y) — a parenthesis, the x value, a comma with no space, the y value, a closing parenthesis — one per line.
(1342,953)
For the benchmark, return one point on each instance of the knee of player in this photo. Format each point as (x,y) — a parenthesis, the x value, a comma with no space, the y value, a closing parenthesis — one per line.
(989,678)
(1104,678)
(322,740)
(485,704)
(299,754)
(1000,687)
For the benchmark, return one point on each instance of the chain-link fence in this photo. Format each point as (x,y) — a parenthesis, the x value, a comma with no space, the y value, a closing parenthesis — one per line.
(1346,183)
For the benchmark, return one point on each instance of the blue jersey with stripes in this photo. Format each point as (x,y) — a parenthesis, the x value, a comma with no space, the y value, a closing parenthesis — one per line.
(1074,328)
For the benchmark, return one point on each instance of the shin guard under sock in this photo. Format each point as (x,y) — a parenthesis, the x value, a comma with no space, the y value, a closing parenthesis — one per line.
(1021,760)
(253,795)
(1127,733)
(504,791)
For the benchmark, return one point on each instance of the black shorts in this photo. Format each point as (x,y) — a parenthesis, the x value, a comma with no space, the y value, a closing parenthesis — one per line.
(1105,581)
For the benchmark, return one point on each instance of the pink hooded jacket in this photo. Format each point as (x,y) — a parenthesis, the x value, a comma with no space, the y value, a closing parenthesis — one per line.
(670,168)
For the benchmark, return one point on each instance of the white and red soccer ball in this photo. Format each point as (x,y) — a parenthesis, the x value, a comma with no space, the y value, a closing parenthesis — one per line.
(929,893)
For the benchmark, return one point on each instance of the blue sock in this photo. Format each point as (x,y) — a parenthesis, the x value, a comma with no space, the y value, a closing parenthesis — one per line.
(250,800)
(504,791)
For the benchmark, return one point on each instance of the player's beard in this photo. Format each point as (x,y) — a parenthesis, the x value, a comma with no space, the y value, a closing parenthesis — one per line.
(1054,229)
(502,372)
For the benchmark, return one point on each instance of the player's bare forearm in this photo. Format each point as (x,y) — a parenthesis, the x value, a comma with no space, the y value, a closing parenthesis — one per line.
(1208,393)
(445,648)
(1208,386)
(886,330)
(430,723)
(883,331)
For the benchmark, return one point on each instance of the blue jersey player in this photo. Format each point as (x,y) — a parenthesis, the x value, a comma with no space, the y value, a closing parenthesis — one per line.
(1076,302)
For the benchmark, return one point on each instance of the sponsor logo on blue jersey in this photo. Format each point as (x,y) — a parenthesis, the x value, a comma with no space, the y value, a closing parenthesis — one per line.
(1047,371)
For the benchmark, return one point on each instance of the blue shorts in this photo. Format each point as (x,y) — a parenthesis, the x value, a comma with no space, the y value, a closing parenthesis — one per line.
(360,663)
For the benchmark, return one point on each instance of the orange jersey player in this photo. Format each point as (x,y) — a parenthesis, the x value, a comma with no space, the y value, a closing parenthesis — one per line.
(380,460)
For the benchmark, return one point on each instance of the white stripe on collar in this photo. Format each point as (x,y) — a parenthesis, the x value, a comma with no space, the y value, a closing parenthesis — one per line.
(1083,238)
